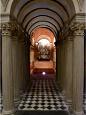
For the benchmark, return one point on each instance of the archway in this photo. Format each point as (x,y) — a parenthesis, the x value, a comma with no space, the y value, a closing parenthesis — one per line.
(42,49)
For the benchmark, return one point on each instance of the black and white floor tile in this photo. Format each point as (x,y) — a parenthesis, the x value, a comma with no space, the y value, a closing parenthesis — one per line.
(43,95)
(1,106)
(84,103)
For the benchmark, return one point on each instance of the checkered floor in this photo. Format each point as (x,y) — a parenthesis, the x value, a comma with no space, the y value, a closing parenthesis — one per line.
(1,104)
(43,95)
(84,103)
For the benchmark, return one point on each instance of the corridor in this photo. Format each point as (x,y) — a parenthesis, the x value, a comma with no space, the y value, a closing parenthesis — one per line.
(42,57)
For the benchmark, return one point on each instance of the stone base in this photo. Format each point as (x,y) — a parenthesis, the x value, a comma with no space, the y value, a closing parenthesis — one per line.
(16,102)
(79,113)
(10,112)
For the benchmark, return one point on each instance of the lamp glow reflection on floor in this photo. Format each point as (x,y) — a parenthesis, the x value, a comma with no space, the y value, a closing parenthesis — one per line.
(43,73)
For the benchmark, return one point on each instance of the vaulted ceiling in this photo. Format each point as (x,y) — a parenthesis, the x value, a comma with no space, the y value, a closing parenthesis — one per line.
(52,14)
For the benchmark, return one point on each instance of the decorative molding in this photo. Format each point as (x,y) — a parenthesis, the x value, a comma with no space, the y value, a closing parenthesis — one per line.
(11,29)
(77,28)
(5,3)
(9,112)
(80,3)
(5,28)
(8,26)
(79,113)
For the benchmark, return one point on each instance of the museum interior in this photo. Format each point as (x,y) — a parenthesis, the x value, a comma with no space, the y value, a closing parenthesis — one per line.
(42,57)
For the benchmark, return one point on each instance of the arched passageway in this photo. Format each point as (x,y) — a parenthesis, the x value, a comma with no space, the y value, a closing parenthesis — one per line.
(42,53)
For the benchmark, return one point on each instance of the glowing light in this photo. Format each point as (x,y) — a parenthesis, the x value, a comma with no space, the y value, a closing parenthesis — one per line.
(54,41)
(43,73)
(44,42)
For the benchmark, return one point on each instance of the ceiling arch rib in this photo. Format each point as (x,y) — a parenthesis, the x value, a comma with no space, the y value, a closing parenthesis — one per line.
(55,13)
(42,18)
(56,2)
(67,4)
(41,5)
(42,26)
(47,10)
(43,12)
(44,23)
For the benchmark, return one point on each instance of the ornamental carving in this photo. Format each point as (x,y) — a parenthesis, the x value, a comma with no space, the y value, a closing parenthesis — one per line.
(77,28)
(9,28)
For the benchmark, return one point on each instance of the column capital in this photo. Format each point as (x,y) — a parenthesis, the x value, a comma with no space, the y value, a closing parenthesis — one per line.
(78,24)
(77,28)
(9,28)
(12,29)
(5,28)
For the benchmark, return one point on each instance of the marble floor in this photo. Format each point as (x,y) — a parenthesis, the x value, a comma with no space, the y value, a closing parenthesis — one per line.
(84,103)
(1,106)
(43,95)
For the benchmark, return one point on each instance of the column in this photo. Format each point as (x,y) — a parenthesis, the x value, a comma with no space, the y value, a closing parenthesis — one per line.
(78,69)
(31,54)
(68,69)
(24,63)
(54,58)
(31,59)
(59,64)
(20,66)
(63,63)
(25,66)
(7,76)
(56,62)
(15,70)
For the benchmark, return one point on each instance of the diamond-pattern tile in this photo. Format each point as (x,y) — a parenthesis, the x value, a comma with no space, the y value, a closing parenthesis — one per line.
(84,103)
(43,95)
(1,106)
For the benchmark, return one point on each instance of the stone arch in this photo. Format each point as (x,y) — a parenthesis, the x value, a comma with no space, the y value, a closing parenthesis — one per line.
(12,4)
(19,6)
